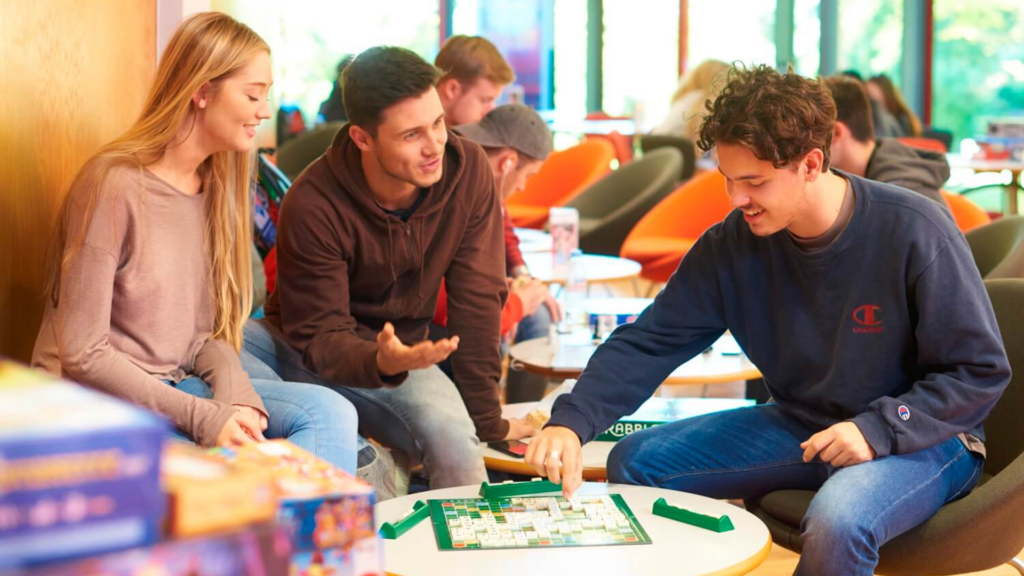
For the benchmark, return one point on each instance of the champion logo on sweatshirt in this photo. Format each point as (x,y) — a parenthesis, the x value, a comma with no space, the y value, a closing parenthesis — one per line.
(867,319)
(904,413)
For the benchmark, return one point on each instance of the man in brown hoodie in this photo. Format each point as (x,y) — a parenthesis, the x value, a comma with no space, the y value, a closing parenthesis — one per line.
(366,234)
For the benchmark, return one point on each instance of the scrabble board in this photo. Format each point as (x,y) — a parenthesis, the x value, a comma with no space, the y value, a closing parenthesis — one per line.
(534,522)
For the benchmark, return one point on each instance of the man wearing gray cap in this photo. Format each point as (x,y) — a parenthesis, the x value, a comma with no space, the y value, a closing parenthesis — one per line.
(517,142)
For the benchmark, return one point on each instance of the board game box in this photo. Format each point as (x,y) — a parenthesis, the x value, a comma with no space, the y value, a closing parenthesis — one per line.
(534,522)
(207,495)
(657,411)
(79,470)
(262,549)
(328,513)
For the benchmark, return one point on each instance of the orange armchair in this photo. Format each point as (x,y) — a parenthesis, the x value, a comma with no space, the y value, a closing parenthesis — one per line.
(562,176)
(924,143)
(661,239)
(967,214)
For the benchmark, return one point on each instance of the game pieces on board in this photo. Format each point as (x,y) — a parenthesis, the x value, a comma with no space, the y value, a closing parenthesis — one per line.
(535,522)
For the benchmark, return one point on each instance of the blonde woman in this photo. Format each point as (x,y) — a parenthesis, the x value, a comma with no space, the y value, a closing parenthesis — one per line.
(688,103)
(150,271)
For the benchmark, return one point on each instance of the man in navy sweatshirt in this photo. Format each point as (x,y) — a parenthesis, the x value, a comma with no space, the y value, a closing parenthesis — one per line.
(860,304)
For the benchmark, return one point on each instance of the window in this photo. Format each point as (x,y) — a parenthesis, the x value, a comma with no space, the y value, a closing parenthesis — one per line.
(978,64)
(308,39)
(807,37)
(871,37)
(521,31)
(731,30)
(570,56)
(466,17)
(640,57)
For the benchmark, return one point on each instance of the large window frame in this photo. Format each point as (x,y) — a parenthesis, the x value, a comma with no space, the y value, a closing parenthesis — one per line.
(915,74)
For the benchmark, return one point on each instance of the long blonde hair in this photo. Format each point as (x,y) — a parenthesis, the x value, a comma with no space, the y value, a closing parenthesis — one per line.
(206,48)
(701,78)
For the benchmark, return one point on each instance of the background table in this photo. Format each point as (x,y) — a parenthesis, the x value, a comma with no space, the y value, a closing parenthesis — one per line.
(678,549)
(531,240)
(599,268)
(1015,167)
(569,356)
(616,306)
(595,454)
(577,126)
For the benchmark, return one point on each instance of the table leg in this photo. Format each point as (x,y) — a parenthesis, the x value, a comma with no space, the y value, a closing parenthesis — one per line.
(1011,193)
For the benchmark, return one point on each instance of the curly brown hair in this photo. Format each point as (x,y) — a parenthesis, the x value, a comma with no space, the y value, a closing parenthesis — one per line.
(779,117)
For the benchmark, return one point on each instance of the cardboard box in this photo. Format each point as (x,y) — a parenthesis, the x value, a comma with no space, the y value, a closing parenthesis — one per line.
(207,495)
(656,411)
(79,470)
(260,550)
(328,513)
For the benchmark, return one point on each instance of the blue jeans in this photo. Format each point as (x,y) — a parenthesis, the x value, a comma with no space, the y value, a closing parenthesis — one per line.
(425,417)
(312,418)
(534,325)
(749,452)
(522,386)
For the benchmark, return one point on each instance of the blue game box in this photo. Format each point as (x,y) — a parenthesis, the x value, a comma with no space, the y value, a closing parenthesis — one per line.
(79,471)
(259,550)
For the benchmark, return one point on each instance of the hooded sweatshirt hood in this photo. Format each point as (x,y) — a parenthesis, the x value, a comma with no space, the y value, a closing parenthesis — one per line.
(923,171)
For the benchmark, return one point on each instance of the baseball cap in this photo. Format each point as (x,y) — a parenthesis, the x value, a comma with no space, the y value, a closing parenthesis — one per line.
(515,126)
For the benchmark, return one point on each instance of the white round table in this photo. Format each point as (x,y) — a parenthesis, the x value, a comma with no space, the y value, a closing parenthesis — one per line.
(531,240)
(567,358)
(677,549)
(616,306)
(599,268)
(625,127)
(1015,167)
(595,454)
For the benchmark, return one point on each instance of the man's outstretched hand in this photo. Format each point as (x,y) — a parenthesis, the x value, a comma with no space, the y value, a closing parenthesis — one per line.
(394,357)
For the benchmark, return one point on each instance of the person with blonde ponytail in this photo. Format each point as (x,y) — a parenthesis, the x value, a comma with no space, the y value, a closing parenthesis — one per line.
(150,272)
(689,102)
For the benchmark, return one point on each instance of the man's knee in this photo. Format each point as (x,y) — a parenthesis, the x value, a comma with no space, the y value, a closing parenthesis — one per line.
(335,407)
(625,462)
(442,431)
(836,522)
(437,409)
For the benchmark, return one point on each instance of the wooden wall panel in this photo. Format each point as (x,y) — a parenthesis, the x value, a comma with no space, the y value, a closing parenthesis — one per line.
(73,75)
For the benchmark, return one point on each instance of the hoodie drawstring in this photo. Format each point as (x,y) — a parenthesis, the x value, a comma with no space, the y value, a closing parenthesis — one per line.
(419,284)
(391,251)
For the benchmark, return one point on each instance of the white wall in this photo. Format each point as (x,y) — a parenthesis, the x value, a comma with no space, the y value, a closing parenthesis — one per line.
(169,13)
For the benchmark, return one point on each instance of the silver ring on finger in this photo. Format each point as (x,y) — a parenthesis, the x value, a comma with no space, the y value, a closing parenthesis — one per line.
(554,454)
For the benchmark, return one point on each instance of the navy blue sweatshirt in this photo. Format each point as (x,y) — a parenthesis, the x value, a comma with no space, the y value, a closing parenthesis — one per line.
(890,326)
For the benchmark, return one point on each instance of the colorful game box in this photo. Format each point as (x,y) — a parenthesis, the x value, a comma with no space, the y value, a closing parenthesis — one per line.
(539,522)
(261,550)
(328,513)
(207,495)
(79,470)
(657,411)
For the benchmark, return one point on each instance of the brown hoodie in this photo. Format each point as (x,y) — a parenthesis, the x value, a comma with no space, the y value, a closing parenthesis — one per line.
(345,267)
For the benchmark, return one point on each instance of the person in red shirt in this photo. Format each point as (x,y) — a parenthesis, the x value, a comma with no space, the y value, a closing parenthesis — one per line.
(517,141)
